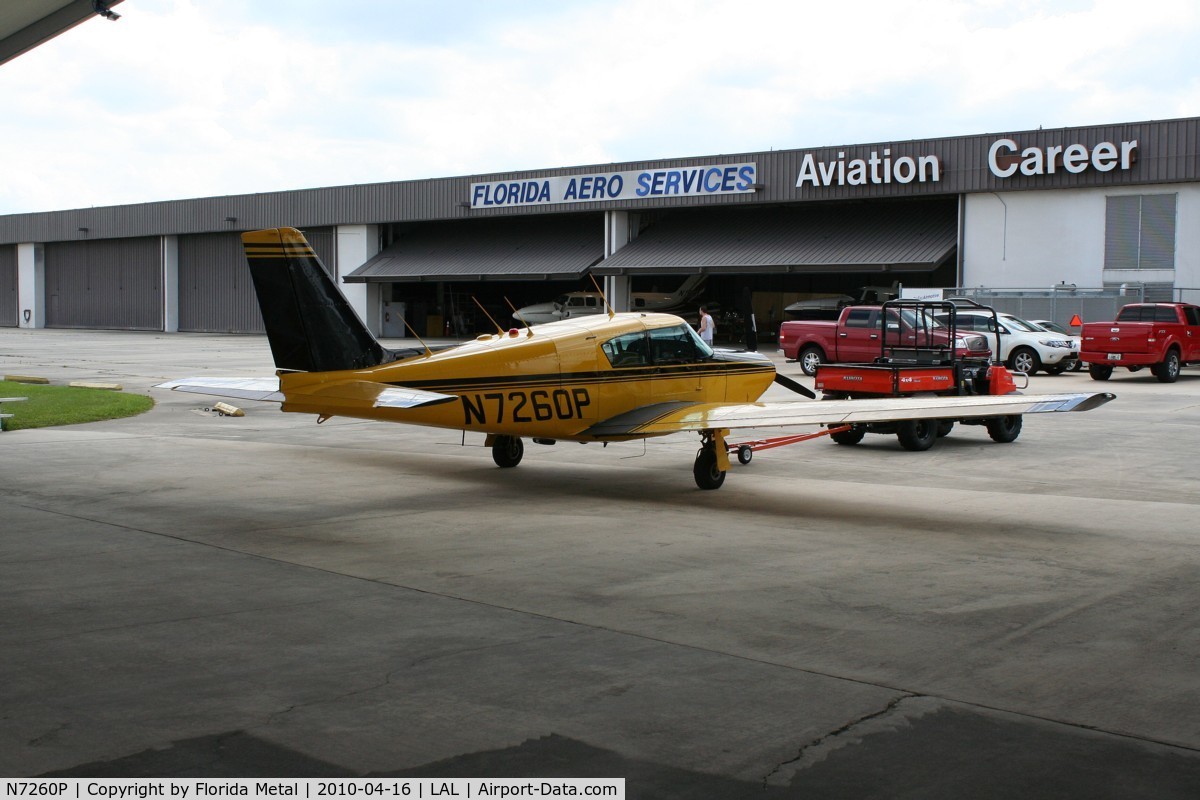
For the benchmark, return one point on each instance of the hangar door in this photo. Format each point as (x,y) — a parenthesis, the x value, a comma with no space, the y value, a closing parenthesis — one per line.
(110,283)
(216,294)
(8,286)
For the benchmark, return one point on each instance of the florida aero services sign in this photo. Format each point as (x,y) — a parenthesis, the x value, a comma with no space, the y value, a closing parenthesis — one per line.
(632,185)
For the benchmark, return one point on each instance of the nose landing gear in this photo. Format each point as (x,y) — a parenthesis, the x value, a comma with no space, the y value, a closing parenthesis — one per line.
(712,460)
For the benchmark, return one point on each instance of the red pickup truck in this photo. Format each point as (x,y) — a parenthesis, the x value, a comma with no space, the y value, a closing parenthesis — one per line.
(1162,336)
(855,337)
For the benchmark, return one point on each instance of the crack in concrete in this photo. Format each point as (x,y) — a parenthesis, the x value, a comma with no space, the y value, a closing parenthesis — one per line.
(833,734)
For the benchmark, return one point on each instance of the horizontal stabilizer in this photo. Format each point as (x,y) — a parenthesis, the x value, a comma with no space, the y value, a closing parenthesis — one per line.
(400,397)
(379,395)
(241,388)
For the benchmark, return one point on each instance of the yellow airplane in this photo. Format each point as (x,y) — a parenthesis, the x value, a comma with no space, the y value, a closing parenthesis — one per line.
(601,378)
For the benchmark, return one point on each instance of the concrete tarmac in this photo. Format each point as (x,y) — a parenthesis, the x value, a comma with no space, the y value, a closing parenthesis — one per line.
(184,594)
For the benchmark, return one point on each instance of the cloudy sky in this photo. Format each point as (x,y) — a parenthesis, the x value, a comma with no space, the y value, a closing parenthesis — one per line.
(197,98)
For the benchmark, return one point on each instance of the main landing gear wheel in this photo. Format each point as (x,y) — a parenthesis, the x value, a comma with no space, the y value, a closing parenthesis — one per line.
(507,451)
(708,470)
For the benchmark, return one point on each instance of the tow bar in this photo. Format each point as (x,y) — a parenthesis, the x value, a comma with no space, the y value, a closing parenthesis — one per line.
(746,450)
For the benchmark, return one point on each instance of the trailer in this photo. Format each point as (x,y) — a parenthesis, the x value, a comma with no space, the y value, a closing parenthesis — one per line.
(918,356)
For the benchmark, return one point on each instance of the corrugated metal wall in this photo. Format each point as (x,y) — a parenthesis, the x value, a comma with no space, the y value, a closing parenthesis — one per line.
(1166,154)
(324,244)
(8,286)
(114,283)
(216,294)
(215,291)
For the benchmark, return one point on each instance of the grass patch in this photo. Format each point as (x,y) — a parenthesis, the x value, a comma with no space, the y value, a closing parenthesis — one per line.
(66,405)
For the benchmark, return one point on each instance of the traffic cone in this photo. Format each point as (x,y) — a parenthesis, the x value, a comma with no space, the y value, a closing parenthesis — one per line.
(1076,321)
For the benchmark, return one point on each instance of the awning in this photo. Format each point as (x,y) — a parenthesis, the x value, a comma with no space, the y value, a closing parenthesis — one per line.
(542,248)
(914,236)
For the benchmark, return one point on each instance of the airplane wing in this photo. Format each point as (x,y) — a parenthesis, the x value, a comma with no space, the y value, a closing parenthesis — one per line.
(663,418)
(268,389)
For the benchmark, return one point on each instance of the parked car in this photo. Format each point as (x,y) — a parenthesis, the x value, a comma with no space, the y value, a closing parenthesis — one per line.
(855,336)
(1070,364)
(1024,347)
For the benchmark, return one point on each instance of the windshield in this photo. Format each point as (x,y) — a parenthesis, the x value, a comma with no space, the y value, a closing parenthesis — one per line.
(678,343)
(1020,324)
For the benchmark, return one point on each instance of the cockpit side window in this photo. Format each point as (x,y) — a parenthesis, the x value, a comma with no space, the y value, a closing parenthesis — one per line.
(627,350)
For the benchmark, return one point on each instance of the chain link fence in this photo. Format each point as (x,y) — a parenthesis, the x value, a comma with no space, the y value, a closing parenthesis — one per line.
(1062,303)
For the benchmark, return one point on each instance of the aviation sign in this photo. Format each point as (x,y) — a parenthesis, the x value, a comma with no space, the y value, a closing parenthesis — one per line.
(632,185)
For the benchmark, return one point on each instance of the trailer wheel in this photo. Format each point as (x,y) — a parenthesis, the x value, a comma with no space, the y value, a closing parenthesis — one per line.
(810,358)
(1004,429)
(944,427)
(1168,370)
(1100,372)
(852,436)
(916,434)
(745,453)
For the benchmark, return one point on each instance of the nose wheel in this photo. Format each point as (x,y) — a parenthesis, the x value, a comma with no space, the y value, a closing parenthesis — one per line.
(712,460)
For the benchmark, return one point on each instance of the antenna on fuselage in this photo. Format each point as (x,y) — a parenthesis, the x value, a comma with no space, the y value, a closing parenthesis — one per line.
(517,315)
(499,330)
(611,313)
(428,352)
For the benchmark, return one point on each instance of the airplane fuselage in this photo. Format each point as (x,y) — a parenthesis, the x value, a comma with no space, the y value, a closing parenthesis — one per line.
(553,383)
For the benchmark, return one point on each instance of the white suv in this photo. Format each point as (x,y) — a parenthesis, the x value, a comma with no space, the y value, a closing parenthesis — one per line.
(1024,347)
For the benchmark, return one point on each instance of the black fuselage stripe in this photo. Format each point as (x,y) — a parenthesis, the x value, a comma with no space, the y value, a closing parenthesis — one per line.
(637,374)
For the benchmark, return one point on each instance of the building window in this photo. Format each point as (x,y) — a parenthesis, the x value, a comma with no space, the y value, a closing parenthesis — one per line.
(1139,231)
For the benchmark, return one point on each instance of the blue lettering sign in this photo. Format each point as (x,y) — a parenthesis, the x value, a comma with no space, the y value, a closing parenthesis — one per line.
(746,173)
(668,182)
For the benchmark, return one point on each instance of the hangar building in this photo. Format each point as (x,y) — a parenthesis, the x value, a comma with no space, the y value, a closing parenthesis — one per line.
(1111,206)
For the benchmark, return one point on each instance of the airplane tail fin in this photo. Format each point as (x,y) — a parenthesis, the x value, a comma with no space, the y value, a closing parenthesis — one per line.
(689,289)
(310,325)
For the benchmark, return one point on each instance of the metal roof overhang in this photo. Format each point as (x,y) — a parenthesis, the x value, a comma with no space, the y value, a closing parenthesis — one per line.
(25,24)
(916,236)
(542,248)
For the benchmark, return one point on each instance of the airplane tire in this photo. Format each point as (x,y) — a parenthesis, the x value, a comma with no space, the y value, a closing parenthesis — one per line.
(917,434)
(708,475)
(1004,429)
(507,451)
